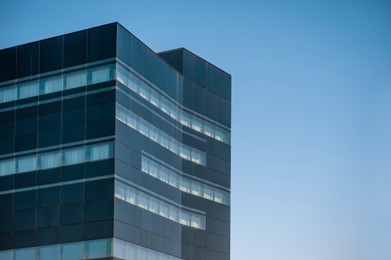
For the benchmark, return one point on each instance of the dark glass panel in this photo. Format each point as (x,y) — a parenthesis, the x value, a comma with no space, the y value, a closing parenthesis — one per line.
(24,200)
(101,98)
(99,129)
(7,146)
(6,241)
(7,130)
(124,45)
(6,202)
(51,54)
(24,180)
(8,116)
(47,236)
(6,222)
(99,189)
(72,213)
(26,127)
(71,233)
(47,217)
(49,138)
(72,172)
(121,210)
(225,112)
(48,196)
(99,229)
(200,72)
(8,64)
(72,193)
(174,58)
(200,100)
(27,59)
(6,182)
(49,108)
(99,168)
(49,122)
(98,210)
(145,238)
(73,103)
(26,113)
(103,112)
(24,220)
(73,134)
(102,42)
(73,118)
(137,55)
(189,94)
(75,49)
(213,106)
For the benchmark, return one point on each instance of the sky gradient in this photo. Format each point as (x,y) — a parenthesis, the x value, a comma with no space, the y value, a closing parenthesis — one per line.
(311,125)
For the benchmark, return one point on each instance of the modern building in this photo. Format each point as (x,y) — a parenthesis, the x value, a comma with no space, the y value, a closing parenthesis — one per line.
(109,150)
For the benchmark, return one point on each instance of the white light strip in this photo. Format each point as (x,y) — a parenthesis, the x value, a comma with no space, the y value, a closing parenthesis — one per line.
(157,206)
(185,184)
(145,128)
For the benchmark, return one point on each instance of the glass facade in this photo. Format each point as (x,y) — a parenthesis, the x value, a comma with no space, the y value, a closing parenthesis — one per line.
(109,150)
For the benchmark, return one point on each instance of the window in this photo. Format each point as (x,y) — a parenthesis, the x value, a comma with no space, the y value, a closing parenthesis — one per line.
(99,151)
(28,89)
(50,160)
(7,166)
(7,94)
(99,74)
(26,163)
(72,251)
(74,155)
(75,80)
(50,85)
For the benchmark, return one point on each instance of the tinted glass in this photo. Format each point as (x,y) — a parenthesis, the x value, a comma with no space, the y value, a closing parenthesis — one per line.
(27,59)
(75,49)
(51,54)
(8,64)
(101,42)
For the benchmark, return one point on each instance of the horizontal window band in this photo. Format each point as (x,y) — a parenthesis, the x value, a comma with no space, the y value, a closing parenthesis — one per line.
(182,183)
(57,158)
(81,94)
(140,197)
(88,249)
(157,135)
(58,72)
(56,147)
(153,158)
(53,84)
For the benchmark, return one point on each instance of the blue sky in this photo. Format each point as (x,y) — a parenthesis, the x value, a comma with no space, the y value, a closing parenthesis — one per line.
(311,134)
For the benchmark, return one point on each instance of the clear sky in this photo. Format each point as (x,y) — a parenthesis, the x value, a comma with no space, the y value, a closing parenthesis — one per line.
(311,134)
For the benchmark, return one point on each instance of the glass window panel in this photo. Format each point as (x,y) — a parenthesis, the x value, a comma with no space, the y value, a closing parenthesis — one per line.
(28,89)
(49,252)
(7,94)
(120,191)
(50,85)
(76,79)
(6,255)
(98,248)
(50,160)
(7,166)
(23,254)
(99,74)
(99,151)
(26,163)
(74,155)
(72,251)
